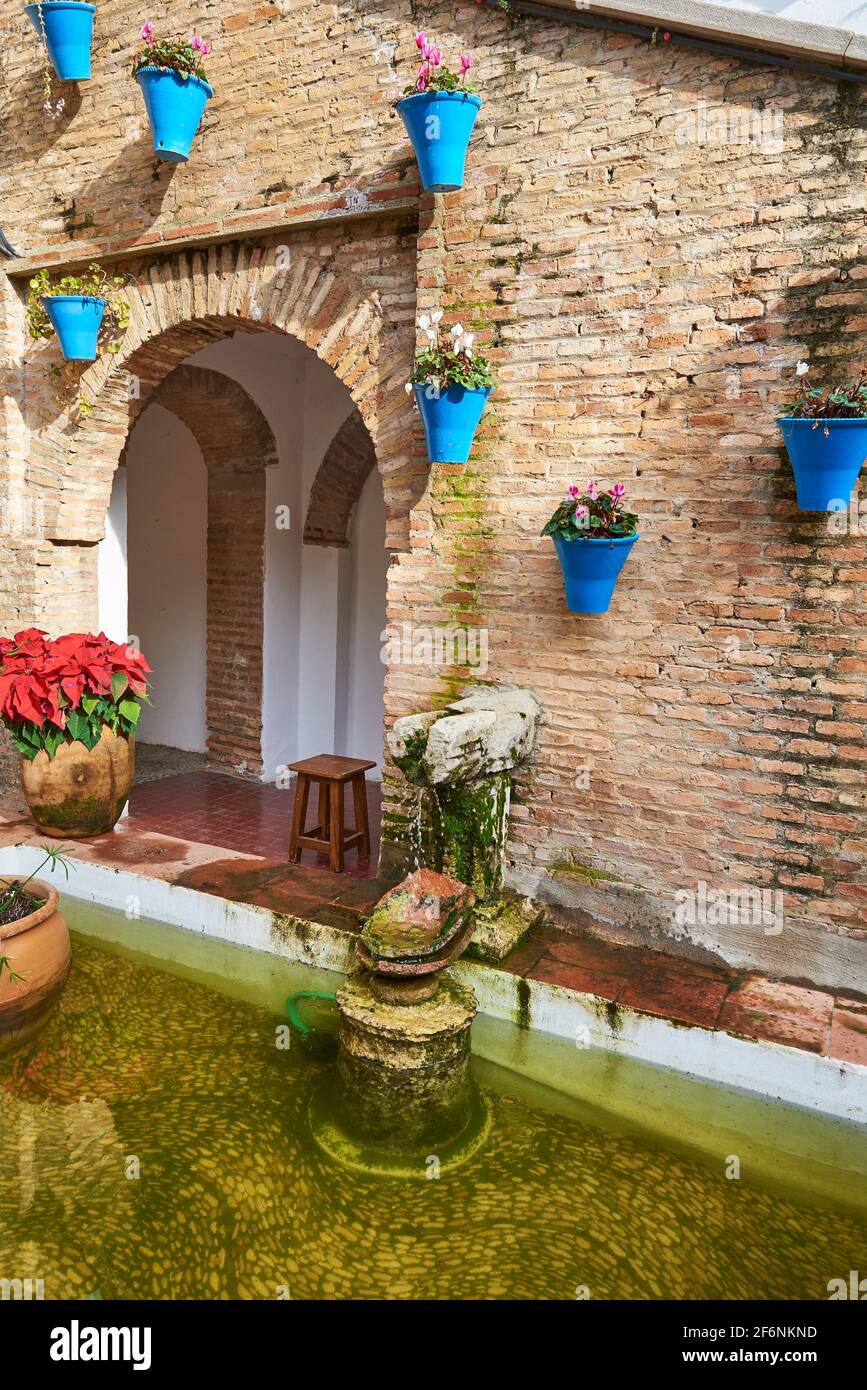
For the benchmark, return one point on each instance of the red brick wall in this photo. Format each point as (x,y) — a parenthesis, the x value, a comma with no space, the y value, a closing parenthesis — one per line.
(644,297)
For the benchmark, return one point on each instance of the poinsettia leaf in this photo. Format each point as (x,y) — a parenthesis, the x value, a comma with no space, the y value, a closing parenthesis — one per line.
(119,683)
(78,726)
(130,711)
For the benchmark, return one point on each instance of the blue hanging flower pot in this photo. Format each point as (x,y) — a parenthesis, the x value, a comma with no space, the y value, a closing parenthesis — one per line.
(76,319)
(450,419)
(68,35)
(826,458)
(591,569)
(440,124)
(175,105)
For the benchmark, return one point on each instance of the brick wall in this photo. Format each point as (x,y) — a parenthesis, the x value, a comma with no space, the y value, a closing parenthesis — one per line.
(644,292)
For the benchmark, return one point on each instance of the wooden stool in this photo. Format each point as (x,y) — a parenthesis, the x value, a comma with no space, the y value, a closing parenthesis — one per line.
(329,836)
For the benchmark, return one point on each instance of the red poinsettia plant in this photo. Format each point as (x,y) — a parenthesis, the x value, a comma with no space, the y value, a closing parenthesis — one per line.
(53,691)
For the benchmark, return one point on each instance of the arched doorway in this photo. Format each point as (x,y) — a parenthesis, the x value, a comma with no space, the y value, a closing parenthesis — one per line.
(260,615)
(343,294)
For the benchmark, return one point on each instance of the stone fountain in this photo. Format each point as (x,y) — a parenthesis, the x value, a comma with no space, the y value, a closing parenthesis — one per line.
(461,761)
(404,1098)
(404,1095)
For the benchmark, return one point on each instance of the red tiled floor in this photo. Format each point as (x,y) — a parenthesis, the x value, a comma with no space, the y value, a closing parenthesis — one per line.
(248,817)
(299,890)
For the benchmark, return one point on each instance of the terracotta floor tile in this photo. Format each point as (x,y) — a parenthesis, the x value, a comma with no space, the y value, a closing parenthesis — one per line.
(524,957)
(677,992)
(782,1013)
(582,979)
(590,953)
(848,1038)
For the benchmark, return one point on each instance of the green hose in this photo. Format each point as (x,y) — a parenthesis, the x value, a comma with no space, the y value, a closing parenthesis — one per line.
(292,1009)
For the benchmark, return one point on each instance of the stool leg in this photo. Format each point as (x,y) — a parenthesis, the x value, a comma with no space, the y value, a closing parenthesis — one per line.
(337,826)
(324,811)
(359,798)
(299,816)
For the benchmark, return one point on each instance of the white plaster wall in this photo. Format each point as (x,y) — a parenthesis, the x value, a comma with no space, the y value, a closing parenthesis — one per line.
(324,607)
(366,672)
(166,550)
(111,565)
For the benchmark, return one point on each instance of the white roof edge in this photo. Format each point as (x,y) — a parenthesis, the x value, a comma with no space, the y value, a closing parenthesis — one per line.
(749,28)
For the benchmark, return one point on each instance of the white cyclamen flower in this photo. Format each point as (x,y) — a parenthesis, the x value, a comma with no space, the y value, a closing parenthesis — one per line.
(424,321)
(408,388)
(802,369)
(436,316)
(469,339)
(457,330)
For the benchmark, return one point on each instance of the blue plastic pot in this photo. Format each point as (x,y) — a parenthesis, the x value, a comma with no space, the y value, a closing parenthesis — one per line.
(440,124)
(76,319)
(826,466)
(450,420)
(68,34)
(590,570)
(174,106)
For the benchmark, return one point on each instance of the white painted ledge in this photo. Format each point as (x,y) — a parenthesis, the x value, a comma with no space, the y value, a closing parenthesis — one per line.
(749,28)
(772,1070)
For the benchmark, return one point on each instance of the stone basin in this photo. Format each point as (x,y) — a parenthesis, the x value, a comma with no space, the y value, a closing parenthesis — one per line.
(414,932)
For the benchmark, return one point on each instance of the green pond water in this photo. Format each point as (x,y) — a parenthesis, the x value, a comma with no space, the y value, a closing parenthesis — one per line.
(154,1143)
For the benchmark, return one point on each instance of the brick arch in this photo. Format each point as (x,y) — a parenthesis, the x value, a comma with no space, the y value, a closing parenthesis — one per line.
(344,470)
(178,305)
(237,445)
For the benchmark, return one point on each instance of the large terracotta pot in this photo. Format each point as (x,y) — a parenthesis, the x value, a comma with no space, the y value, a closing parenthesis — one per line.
(37,949)
(80,791)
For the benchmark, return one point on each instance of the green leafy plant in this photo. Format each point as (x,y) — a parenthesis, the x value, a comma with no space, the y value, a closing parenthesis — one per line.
(592,515)
(16,902)
(182,56)
(846,402)
(94,283)
(450,361)
(432,76)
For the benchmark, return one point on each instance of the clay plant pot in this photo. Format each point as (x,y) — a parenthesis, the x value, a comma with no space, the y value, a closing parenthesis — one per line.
(35,955)
(79,792)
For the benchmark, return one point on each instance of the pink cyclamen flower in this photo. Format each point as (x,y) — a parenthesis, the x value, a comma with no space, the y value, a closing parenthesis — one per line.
(591,488)
(147,33)
(617,491)
(466,62)
(200,45)
(574,491)
(423,74)
(421,41)
(581,512)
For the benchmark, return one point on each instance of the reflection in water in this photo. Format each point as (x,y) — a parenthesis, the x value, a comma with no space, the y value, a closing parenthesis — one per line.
(154,1143)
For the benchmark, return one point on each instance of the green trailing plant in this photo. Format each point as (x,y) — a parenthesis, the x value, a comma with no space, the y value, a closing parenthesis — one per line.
(94,283)
(449,361)
(845,402)
(16,902)
(53,109)
(592,515)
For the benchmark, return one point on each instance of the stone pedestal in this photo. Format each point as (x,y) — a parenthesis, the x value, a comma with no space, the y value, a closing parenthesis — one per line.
(403,1070)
